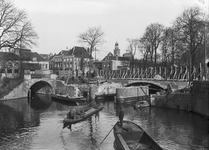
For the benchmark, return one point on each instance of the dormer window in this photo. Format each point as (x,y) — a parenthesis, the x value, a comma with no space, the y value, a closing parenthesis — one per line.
(34,58)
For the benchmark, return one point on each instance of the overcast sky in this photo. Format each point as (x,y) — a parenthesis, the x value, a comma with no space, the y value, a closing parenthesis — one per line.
(59,22)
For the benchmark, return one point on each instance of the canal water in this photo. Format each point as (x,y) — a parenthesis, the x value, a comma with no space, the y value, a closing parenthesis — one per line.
(36,125)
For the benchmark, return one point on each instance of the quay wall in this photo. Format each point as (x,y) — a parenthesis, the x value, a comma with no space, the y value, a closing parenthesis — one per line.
(200,97)
(21,91)
(180,101)
(197,101)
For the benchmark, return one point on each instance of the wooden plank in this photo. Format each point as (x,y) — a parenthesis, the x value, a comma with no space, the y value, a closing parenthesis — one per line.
(125,146)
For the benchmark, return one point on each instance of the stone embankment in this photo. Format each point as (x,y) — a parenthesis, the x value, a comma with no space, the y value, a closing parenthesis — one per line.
(21,91)
(197,101)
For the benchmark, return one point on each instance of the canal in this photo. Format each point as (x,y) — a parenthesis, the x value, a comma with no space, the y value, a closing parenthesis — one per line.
(37,125)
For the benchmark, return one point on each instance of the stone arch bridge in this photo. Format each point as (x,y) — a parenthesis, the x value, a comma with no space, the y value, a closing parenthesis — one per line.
(34,85)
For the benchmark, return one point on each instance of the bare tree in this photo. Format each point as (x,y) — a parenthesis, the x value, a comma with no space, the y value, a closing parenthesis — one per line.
(151,41)
(190,28)
(92,37)
(132,48)
(145,49)
(15,29)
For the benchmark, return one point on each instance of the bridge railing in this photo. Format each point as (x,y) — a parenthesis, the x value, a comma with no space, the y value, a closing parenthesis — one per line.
(155,73)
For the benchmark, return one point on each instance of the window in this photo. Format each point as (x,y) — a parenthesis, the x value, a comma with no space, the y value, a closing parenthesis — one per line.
(9,65)
(9,70)
(16,70)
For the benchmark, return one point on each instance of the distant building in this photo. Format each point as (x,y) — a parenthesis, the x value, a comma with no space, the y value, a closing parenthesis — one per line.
(116,50)
(10,65)
(70,62)
(113,62)
(57,61)
(32,62)
(46,56)
(127,54)
(76,60)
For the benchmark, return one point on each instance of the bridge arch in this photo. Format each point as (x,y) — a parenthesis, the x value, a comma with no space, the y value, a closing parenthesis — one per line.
(41,86)
(153,87)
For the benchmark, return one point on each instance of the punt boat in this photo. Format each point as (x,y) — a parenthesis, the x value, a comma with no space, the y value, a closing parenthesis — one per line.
(132,137)
(82,115)
(74,100)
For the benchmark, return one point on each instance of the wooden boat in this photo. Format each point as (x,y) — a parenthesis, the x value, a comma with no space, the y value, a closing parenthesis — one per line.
(141,104)
(132,137)
(73,100)
(84,113)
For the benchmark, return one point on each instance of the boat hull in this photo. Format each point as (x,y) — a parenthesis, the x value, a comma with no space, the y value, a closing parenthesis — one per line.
(67,121)
(73,101)
(132,137)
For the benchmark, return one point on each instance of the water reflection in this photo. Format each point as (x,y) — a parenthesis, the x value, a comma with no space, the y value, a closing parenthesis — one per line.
(25,125)
(40,101)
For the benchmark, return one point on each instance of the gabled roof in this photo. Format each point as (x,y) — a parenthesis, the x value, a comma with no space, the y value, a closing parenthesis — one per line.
(63,52)
(79,52)
(9,56)
(39,57)
(28,56)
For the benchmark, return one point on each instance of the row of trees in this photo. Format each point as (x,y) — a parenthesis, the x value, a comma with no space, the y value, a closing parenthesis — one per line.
(184,43)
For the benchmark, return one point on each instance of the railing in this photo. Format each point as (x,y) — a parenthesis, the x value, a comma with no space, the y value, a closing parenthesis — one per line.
(156,73)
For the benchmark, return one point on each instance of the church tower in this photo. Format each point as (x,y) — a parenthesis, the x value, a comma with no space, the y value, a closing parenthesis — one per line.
(116,50)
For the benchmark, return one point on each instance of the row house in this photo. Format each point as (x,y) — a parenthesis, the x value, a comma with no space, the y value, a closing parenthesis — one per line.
(71,62)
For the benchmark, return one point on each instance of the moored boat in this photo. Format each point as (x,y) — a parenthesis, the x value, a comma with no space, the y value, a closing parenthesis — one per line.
(82,115)
(132,137)
(141,104)
(73,100)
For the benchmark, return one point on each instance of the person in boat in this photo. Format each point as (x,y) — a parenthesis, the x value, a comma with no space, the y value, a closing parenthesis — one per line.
(169,89)
(121,116)
(71,114)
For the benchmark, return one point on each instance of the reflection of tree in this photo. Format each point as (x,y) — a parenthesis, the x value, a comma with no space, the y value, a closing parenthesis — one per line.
(13,119)
(93,140)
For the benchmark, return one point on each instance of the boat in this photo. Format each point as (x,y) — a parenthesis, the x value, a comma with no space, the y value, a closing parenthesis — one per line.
(73,100)
(141,104)
(82,115)
(132,137)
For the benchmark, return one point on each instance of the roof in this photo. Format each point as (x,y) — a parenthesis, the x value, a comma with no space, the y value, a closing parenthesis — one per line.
(117,58)
(9,56)
(31,66)
(79,52)
(39,57)
(28,56)
(63,52)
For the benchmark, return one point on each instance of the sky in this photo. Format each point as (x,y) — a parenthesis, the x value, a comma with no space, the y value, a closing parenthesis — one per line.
(59,22)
